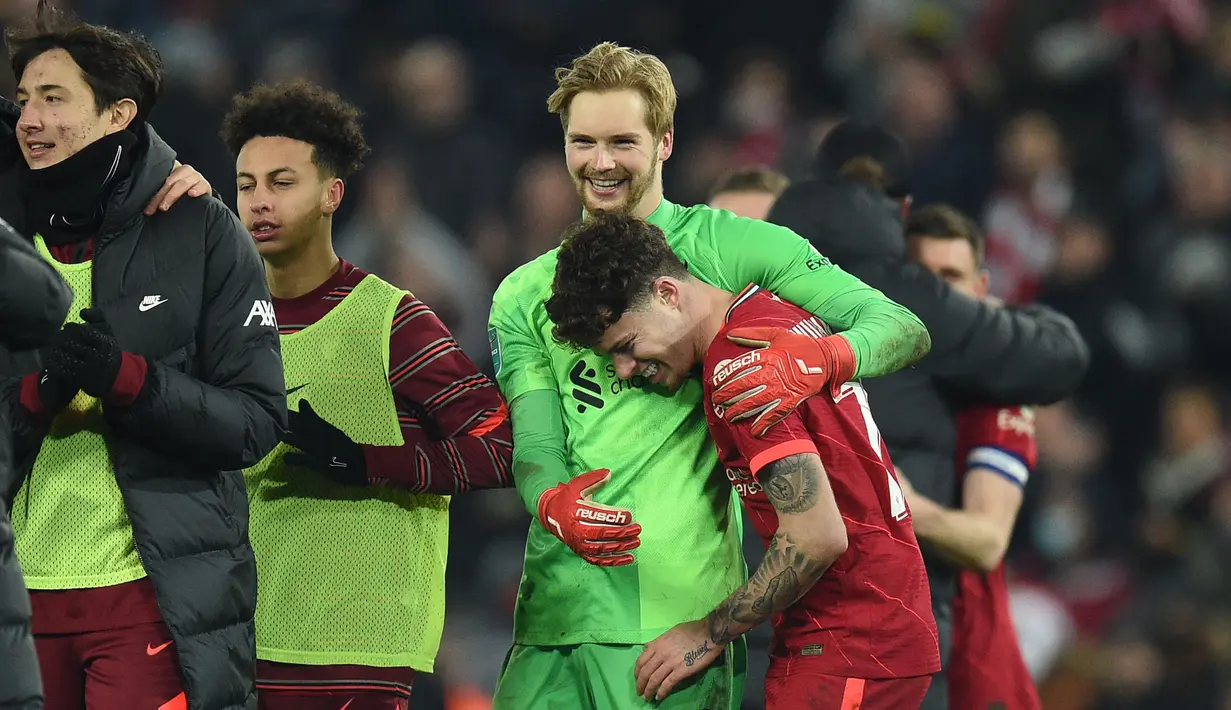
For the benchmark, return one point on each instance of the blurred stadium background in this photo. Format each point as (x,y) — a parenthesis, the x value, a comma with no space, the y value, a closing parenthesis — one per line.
(1091,138)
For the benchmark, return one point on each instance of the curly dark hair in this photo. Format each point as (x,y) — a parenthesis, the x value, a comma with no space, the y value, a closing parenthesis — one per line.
(606,266)
(305,112)
(115,65)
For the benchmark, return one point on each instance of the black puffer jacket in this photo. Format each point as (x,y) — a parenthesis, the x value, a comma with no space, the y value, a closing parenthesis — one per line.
(980,353)
(33,303)
(214,403)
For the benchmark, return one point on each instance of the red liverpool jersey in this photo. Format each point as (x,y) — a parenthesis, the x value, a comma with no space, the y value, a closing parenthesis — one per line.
(986,668)
(870,614)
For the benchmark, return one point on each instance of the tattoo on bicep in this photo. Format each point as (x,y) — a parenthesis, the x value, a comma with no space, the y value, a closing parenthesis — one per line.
(793,483)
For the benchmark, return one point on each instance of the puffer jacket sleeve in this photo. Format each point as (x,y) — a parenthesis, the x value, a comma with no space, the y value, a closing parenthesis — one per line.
(33,297)
(20,687)
(231,411)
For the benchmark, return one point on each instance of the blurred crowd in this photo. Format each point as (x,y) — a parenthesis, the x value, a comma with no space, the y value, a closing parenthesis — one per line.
(1091,139)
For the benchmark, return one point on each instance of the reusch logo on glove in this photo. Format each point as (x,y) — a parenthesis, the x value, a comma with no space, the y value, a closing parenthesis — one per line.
(602,516)
(728,368)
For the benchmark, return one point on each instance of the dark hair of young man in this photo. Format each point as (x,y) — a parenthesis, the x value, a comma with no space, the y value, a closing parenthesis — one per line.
(606,266)
(116,65)
(302,111)
(946,222)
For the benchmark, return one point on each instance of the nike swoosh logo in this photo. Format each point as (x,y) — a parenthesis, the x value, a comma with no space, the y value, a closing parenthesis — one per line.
(152,650)
(296,388)
(348,702)
(336,463)
(147,306)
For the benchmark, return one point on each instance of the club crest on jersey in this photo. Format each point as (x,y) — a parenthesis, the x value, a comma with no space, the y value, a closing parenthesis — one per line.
(726,368)
(1021,423)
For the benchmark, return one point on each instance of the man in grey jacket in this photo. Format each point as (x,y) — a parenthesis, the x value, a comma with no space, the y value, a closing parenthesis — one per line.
(33,303)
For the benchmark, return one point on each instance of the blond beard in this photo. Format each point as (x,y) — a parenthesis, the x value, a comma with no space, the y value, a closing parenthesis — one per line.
(638,186)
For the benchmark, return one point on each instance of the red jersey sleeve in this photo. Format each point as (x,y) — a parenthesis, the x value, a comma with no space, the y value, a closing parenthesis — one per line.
(455,425)
(787,438)
(754,307)
(1000,439)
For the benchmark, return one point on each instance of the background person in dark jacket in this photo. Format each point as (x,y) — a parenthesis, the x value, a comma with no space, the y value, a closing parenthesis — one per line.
(33,303)
(853,213)
(131,520)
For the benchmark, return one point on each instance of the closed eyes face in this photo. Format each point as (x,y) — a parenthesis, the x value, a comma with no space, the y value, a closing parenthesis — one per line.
(651,343)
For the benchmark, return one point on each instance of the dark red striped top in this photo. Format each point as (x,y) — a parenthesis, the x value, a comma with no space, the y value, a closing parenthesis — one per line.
(454,422)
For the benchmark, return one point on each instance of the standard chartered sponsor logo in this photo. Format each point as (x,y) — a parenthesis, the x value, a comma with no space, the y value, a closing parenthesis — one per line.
(743,482)
(590,389)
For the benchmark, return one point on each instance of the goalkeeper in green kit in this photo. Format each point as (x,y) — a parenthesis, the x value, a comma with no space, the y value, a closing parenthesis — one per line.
(637,528)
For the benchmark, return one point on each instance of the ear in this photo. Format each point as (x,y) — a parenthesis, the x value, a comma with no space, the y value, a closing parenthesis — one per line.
(982,284)
(666,145)
(121,114)
(667,291)
(333,196)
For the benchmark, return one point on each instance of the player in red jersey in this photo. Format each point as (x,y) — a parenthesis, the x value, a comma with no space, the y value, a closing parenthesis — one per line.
(842,578)
(996,452)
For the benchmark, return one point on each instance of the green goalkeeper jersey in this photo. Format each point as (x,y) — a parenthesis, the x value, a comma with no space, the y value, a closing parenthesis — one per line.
(663,465)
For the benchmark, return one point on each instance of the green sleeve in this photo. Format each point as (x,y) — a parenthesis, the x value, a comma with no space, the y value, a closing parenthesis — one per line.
(538,445)
(884,335)
(518,352)
(523,372)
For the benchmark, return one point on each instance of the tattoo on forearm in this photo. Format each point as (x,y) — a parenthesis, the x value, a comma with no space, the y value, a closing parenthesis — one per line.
(786,573)
(792,484)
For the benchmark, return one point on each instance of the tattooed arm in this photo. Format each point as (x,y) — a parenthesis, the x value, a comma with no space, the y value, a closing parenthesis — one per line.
(811,535)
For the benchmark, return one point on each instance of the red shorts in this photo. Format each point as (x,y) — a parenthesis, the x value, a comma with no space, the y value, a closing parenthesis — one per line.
(121,669)
(976,687)
(290,686)
(106,649)
(815,691)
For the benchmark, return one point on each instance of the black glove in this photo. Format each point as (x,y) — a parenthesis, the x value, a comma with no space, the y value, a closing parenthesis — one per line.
(94,353)
(325,448)
(59,380)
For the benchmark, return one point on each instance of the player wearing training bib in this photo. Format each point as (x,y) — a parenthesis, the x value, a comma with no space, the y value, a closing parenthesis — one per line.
(843,579)
(350,514)
(131,426)
(637,527)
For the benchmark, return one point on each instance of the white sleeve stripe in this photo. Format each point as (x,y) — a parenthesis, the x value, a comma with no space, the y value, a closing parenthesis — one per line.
(1000,461)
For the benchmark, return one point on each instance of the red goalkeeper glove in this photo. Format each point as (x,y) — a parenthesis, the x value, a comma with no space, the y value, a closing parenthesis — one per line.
(599,534)
(790,369)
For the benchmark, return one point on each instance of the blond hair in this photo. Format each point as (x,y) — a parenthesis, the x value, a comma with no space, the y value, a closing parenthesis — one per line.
(611,67)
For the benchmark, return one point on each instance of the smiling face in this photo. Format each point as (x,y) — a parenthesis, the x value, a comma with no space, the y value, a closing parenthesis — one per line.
(284,199)
(613,157)
(655,341)
(59,116)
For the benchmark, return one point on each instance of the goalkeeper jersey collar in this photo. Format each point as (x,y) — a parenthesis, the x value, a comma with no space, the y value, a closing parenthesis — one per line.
(662,216)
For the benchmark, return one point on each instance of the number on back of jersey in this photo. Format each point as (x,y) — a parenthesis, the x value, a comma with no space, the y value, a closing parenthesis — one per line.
(897,500)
